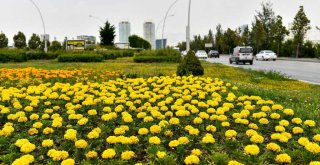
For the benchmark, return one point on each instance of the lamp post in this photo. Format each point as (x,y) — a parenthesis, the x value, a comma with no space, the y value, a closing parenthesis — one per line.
(44,28)
(188,28)
(158,26)
(164,22)
(97,18)
(317,28)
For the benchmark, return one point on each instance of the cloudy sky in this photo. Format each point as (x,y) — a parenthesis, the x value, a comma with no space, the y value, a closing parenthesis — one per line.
(71,17)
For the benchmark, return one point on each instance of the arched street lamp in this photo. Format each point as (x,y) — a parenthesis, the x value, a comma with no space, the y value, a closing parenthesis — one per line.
(97,18)
(160,22)
(44,28)
(164,22)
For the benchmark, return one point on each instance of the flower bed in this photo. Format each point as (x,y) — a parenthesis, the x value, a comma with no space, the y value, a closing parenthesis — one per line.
(158,120)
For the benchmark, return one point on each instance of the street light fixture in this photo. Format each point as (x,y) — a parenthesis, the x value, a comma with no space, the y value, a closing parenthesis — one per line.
(158,26)
(97,18)
(317,28)
(44,28)
(164,22)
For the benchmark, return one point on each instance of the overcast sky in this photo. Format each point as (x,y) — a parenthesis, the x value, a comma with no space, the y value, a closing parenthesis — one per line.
(71,17)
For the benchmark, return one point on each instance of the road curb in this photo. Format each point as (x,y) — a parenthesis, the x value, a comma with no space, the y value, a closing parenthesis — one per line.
(300,60)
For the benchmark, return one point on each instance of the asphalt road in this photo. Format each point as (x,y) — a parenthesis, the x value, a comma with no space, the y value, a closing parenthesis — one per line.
(304,71)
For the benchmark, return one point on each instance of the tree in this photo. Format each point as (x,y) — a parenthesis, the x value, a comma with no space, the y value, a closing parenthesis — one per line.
(34,41)
(3,40)
(190,64)
(219,40)
(267,19)
(55,46)
(107,34)
(231,38)
(42,44)
(258,34)
(245,36)
(182,46)
(279,32)
(300,27)
(19,40)
(138,42)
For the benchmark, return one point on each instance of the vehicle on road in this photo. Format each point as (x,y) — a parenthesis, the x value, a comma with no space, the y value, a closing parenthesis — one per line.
(242,54)
(213,54)
(266,55)
(202,54)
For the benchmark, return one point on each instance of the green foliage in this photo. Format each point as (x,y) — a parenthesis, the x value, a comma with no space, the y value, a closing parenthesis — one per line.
(267,19)
(161,55)
(3,40)
(138,42)
(34,41)
(12,56)
(190,65)
(55,46)
(232,39)
(80,57)
(40,55)
(114,54)
(317,46)
(19,40)
(258,34)
(107,34)
(219,158)
(279,32)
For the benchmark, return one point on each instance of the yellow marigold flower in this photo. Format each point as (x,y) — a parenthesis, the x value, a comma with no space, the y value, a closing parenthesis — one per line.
(174,143)
(154,140)
(303,141)
(161,154)
(183,140)
(283,158)
(32,131)
(314,163)
(143,131)
(155,129)
(20,142)
(273,147)
(194,131)
(265,108)
(92,112)
(47,143)
(196,152)
(257,138)
(70,134)
(119,131)
(280,128)
(309,123)
(230,134)
(37,125)
(81,143)
(316,137)
(296,120)
(192,159)
(251,132)
(297,130)
(91,154)
(253,126)
(24,160)
(275,116)
(34,117)
(93,135)
(264,121)
(27,147)
(277,107)
(288,112)
(211,128)
(68,162)
(83,121)
(312,147)
(127,155)
(168,133)
(208,138)
(233,162)
(197,120)
(284,123)
(225,124)
(174,121)
(108,153)
(252,150)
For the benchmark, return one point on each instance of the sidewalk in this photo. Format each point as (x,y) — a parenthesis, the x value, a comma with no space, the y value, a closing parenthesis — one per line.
(299,59)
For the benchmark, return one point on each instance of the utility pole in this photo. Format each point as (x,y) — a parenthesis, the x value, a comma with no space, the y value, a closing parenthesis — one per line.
(188,28)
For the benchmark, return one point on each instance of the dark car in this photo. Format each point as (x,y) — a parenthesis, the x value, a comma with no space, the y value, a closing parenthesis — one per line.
(213,54)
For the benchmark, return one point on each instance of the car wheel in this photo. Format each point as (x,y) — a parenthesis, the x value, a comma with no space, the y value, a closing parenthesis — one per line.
(263,58)
(230,61)
(257,58)
(251,62)
(274,59)
(237,61)
(267,59)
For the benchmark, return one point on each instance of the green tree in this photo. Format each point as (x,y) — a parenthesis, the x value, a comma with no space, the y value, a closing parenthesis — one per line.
(138,42)
(219,44)
(258,34)
(42,44)
(190,65)
(279,33)
(19,40)
(309,50)
(287,48)
(55,46)
(245,36)
(182,46)
(300,27)
(3,40)
(107,34)
(34,41)
(267,19)
(231,38)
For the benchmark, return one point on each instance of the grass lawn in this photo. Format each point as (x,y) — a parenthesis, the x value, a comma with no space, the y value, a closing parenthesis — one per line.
(302,97)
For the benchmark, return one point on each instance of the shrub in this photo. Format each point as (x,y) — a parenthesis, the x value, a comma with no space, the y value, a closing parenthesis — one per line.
(162,55)
(40,55)
(190,65)
(80,58)
(12,55)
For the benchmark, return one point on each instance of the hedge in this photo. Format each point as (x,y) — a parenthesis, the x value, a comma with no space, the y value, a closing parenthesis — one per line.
(12,56)
(40,55)
(162,55)
(80,58)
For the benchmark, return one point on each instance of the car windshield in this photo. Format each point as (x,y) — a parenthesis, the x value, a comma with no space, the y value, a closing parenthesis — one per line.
(201,51)
(245,50)
(269,51)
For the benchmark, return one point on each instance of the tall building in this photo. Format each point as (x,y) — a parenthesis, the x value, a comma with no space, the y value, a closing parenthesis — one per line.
(149,33)
(90,40)
(159,43)
(124,31)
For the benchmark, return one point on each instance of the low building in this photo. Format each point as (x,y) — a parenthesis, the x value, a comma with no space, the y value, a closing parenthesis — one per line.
(159,43)
(90,40)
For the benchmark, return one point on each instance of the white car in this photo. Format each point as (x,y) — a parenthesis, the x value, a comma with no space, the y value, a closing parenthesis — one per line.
(202,54)
(266,55)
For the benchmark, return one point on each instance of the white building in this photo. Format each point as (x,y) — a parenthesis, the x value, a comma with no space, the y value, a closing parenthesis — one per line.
(47,37)
(124,31)
(91,40)
(149,33)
